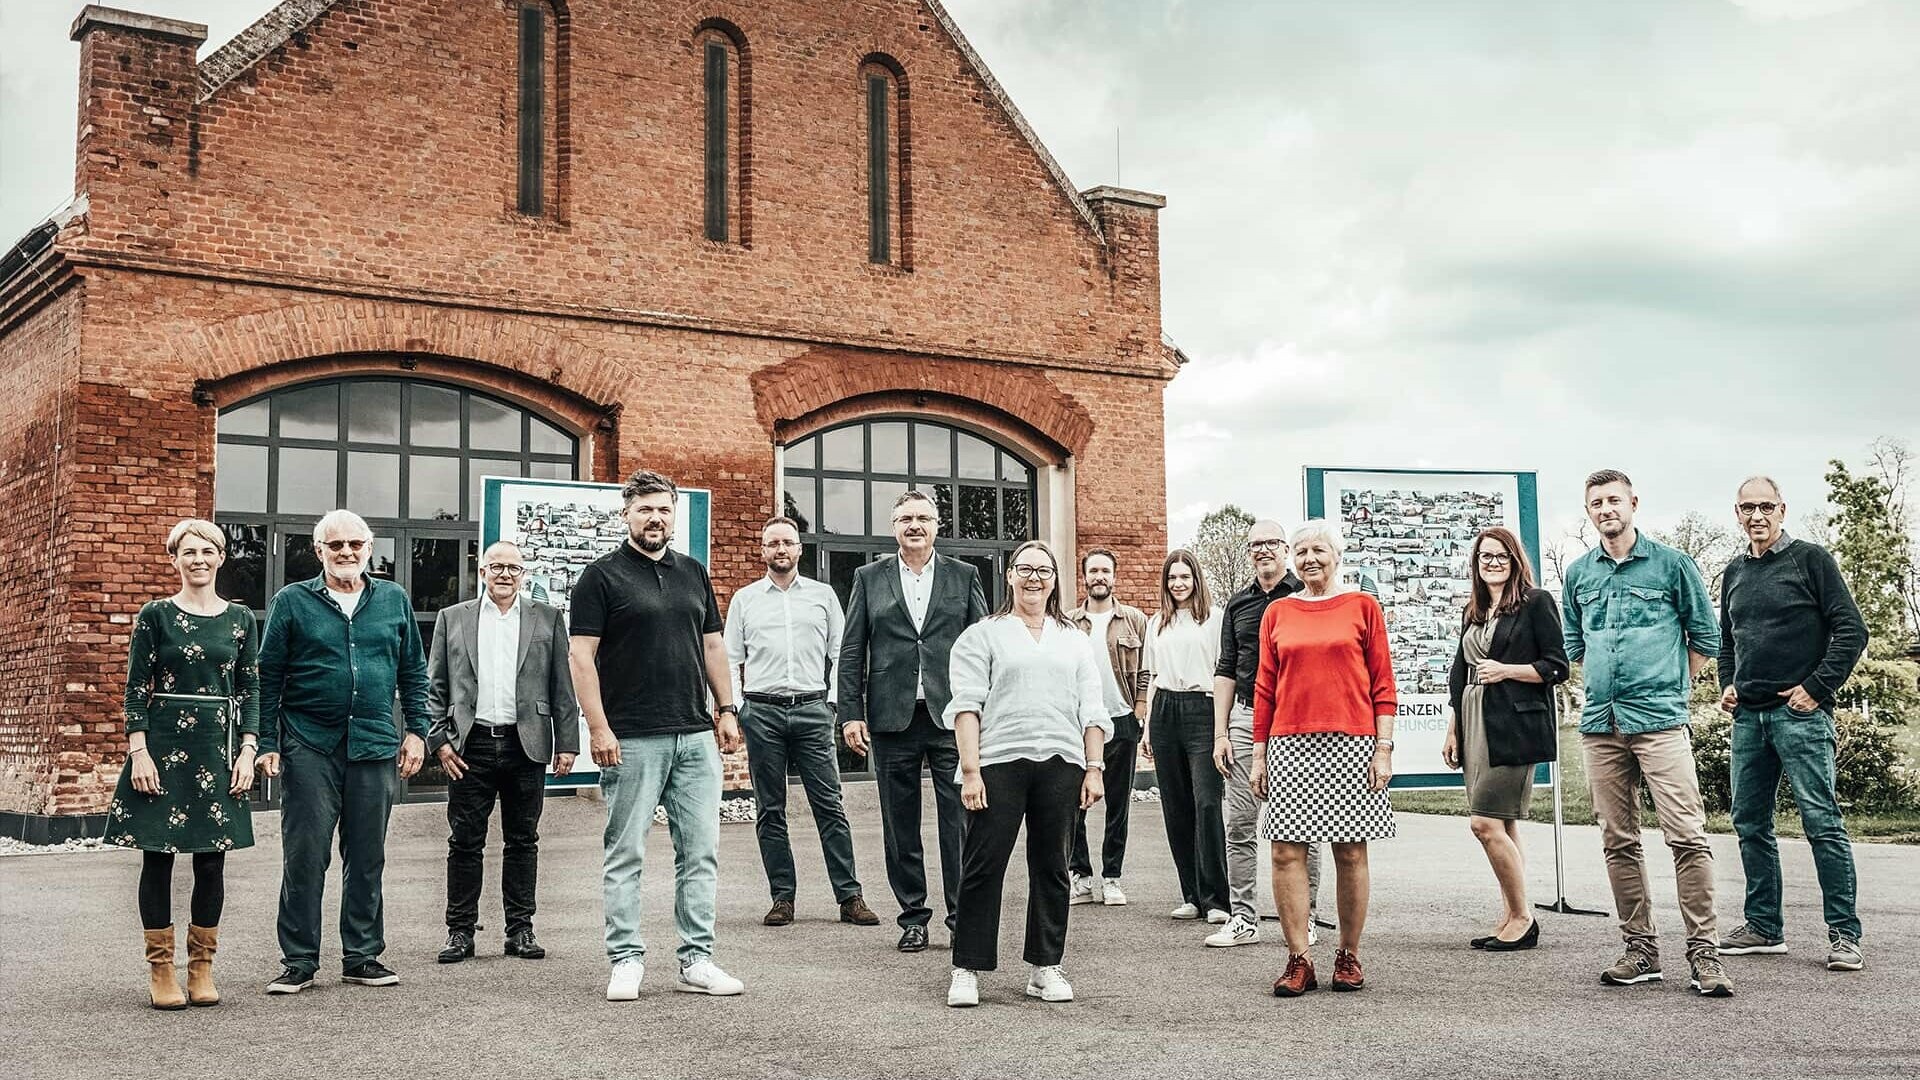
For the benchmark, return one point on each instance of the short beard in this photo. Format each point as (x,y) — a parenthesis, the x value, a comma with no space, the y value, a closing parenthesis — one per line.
(650,546)
(349,575)
(1099,592)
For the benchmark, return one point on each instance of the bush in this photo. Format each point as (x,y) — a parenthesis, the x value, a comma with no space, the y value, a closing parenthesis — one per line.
(1871,774)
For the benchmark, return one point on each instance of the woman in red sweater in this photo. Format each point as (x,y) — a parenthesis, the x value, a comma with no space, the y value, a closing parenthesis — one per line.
(1323,707)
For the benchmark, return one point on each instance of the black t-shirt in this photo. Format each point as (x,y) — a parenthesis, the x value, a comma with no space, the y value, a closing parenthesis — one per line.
(1240,632)
(650,616)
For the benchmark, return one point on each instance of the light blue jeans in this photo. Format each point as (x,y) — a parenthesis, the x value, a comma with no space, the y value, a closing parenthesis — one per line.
(681,773)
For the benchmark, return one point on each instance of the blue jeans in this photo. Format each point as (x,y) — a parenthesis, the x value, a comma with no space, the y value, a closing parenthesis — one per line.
(681,773)
(1767,742)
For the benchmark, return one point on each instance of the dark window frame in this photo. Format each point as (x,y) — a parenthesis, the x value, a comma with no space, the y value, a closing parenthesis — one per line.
(718,136)
(879,169)
(531,194)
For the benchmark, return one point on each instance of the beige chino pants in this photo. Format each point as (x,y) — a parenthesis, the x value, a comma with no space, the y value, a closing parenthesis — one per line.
(1664,759)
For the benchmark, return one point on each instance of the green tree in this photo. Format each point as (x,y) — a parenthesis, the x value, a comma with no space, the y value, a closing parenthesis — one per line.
(1874,552)
(1220,543)
(1710,546)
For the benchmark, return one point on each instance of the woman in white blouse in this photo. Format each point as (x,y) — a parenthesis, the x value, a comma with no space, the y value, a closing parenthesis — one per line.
(1031,725)
(1183,648)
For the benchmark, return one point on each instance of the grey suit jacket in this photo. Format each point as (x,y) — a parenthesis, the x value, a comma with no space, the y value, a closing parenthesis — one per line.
(548,714)
(882,655)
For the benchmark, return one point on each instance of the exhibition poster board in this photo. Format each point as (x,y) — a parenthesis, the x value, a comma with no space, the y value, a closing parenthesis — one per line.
(561,526)
(1408,533)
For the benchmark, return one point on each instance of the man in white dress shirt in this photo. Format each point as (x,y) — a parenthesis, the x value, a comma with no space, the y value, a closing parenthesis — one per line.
(783,641)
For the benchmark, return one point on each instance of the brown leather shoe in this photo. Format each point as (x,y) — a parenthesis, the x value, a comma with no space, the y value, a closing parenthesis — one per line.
(202,943)
(1297,979)
(780,914)
(163,980)
(1346,971)
(855,910)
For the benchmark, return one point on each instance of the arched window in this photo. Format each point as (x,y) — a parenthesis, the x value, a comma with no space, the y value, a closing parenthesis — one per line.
(889,162)
(840,485)
(727,131)
(406,455)
(541,144)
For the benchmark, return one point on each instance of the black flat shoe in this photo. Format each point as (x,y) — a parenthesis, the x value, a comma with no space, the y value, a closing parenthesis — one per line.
(459,947)
(1525,941)
(913,939)
(1481,942)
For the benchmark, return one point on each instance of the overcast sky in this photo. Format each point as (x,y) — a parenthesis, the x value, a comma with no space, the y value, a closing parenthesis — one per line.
(1677,237)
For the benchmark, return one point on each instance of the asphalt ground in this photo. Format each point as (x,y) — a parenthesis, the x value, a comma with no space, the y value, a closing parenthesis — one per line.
(829,1000)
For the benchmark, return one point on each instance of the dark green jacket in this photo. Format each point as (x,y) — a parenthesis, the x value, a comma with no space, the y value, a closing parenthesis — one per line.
(325,677)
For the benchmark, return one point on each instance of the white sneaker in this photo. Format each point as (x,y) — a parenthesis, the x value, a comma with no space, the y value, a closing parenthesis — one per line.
(1216,916)
(1082,892)
(1112,894)
(703,976)
(1049,984)
(1313,934)
(964,991)
(1185,911)
(1239,930)
(624,985)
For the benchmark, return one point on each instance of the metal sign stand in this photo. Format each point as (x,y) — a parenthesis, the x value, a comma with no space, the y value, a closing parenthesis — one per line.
(1560,904)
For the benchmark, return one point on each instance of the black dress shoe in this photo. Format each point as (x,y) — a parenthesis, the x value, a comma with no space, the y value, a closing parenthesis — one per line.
(521,943)
(913,939)
(459,946)
(1525,941)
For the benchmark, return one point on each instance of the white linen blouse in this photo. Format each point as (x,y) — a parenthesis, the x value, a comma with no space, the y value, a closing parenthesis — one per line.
(1036,699)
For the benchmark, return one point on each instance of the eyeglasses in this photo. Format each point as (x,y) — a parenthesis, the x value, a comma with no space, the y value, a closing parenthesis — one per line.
(1488,558)
(507,570)
(1750,509)
(336,545)
(915,519)
(1033,573)
(1256,546)
(780,543)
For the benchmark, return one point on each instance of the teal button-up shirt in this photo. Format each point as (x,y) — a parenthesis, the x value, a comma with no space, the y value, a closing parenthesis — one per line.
(325,677)
(1632,623)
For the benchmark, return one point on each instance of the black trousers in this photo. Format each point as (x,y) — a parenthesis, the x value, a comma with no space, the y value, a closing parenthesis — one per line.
(1191,794)
(1121,754)
(1046,796)
(897,760)
(495,767)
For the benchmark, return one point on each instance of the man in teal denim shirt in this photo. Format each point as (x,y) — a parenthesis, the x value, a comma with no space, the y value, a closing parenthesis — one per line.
(335,652)
(1637,615)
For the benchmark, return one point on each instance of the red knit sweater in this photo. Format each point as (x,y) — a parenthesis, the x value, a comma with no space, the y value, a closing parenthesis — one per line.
(1324,666)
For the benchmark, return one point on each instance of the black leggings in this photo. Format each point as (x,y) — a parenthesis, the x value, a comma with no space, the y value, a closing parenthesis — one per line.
(156,888)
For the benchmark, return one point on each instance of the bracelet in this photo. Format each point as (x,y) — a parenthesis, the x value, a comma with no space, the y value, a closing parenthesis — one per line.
(138,750)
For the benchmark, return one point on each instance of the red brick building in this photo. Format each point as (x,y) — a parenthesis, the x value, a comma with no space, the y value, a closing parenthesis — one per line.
(802,254)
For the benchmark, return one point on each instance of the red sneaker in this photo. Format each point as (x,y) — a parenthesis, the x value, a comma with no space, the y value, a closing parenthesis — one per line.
(1346,971)
(1297,979)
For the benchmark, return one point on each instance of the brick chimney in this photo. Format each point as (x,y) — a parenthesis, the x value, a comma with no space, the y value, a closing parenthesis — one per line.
(1130,221)
(138,86)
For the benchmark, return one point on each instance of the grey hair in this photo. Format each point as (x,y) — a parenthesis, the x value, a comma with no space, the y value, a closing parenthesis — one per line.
(1762,478)
(1319,529)
(342,520)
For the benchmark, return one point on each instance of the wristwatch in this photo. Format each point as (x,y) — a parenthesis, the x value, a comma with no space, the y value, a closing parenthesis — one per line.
(734,709)
(1101,765)
(1383,744)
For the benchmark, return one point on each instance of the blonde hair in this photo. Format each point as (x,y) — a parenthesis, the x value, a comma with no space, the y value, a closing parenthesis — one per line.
(205,530)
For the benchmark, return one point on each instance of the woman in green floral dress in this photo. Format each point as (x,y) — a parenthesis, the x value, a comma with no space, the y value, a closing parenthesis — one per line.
(193,717)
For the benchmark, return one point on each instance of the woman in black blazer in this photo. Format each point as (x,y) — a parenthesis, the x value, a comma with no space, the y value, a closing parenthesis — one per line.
(1510,656)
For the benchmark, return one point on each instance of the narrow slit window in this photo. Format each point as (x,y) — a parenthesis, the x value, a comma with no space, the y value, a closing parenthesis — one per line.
(533,106)
(717,115)
(879,182)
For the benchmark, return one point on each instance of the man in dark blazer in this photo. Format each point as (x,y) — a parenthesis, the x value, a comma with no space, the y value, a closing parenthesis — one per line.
(501,697)
(902,619)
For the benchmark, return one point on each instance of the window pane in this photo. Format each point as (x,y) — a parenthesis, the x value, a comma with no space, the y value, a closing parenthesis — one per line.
(548,439)
(245,420)
(480,468)
(840,568)
(239,478)
(551,470)
(437,572)
(884,492)
(297,560)
(993,581)
(381,565)
(373,484)
(373,412)
(492,426)
(243,577)
(976,458)
(1012,468)
(1018,523)
(943,500)
(842,510)
(889,447)
(932,450)
(799,502)
(308,482)
(433,488)
(840,449)
(313,413)
(804,454)
(978,514)
(436,416)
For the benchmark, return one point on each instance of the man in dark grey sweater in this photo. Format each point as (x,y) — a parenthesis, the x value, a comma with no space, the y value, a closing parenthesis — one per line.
(1790,634)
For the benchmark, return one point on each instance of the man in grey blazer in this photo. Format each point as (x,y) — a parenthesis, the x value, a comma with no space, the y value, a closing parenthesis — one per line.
(500,695)
(902,619)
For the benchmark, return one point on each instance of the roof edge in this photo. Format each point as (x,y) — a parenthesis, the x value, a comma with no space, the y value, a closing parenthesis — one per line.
(95,15)
(249,46)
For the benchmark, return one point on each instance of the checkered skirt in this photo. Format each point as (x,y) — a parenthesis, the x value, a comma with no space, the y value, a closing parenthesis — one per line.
(1317,790)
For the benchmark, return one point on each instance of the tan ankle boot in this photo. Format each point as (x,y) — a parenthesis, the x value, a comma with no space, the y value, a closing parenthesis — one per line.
(164,991)
(202,943)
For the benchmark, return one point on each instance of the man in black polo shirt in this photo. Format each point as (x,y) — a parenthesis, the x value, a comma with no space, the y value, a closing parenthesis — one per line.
(1233,730)
(646,649)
